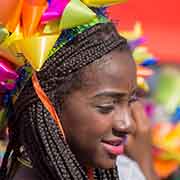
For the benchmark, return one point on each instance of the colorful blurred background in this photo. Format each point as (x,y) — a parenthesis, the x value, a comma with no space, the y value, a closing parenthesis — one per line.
(160,26)
(153,30)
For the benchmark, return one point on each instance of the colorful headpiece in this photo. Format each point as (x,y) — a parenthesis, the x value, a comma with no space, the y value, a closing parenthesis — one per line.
(30,32)
(45,27)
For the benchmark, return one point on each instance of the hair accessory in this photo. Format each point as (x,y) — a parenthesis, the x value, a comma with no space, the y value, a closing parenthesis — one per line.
(33,30)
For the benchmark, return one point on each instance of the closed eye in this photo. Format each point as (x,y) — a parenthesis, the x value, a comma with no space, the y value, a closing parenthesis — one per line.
(133,98)
(105,109)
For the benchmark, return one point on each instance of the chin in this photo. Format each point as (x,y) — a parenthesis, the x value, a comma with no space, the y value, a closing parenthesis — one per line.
(106,163)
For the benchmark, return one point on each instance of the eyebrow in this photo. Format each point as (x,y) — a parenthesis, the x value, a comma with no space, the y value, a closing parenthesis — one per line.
(111,94)
(114,94)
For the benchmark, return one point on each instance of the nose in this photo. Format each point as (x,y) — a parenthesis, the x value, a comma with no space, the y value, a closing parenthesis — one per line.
(123,121)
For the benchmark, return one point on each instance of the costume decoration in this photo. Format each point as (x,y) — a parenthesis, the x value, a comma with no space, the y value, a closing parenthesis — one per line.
(141,54)
(65,10)
(41,44)
(30,32)
(10,13)
(100,3)
(26,49)
(166,125)
(31,15)
(8,76)
(3,34)
(46,27)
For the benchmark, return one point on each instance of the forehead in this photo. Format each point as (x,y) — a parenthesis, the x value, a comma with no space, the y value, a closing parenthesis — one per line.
(115,70)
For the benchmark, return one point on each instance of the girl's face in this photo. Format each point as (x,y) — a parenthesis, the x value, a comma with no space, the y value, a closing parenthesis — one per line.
(97,118)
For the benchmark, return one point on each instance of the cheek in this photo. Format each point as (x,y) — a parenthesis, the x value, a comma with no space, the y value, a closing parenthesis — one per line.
(101,125)
(87,124)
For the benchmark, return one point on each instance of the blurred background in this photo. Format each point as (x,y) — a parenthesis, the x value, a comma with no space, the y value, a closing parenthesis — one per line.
(153,30)
(160,28)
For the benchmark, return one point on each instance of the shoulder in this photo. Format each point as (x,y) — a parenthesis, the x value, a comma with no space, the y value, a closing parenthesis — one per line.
(128,169)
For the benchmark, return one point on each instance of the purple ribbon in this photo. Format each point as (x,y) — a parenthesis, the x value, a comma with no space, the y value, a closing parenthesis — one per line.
(8,75)
(54,11)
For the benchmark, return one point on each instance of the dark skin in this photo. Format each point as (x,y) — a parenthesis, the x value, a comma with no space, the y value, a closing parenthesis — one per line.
(141,139)
(100,109)
(103,108)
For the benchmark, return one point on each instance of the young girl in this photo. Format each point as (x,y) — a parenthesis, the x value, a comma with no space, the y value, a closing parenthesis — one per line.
(77,114)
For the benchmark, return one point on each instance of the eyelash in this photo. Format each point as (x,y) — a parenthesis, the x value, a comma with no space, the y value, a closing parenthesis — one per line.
(133,99)
(105,109)
(109,108)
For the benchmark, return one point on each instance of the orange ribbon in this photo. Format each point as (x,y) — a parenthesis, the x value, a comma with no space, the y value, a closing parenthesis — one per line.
(46,102)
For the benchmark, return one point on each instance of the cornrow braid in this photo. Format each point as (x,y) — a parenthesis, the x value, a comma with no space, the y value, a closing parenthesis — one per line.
(32,126)
(86,48)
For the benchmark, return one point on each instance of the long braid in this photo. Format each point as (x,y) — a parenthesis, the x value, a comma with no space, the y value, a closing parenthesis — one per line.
(32,126)
(33,144)
(61,157)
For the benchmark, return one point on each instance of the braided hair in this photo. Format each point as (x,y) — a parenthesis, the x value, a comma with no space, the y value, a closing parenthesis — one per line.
(32,126)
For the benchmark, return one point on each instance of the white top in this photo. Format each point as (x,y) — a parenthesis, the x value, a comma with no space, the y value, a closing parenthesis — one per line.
(128,169)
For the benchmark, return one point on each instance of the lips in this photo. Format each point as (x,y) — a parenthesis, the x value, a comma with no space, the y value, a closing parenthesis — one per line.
(114,146)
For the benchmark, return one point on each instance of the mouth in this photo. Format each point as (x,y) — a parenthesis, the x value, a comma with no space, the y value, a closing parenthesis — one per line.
(114,146)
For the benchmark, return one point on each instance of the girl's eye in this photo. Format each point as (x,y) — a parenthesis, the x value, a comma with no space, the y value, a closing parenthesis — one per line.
(105,109)
(133,99)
